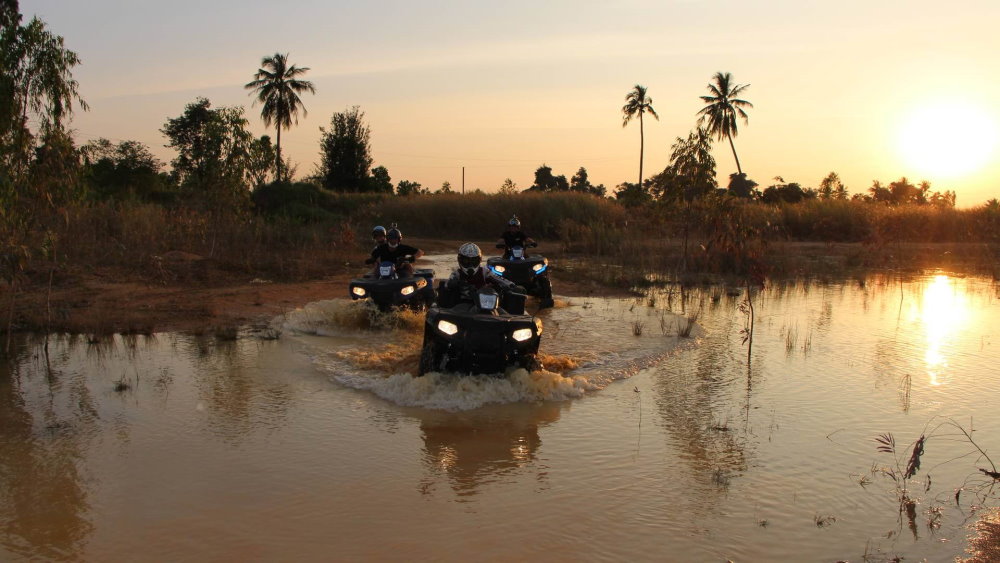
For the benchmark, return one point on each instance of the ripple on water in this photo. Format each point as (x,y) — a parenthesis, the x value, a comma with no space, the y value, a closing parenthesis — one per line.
(379,353)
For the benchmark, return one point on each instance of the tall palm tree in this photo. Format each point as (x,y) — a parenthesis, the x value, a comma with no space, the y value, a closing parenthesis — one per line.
(723,108)
(277,87)
(636,104)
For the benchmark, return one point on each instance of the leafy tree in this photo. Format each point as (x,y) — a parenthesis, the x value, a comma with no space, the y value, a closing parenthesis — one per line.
(545,181)
(123,171)
(36,80)
(345,152)
(741,186)
(723,108)
(277,87)
(406,187)
(261,156)
(832,188)
(508,187)
(212,150)
(579,182)
(789,193)
(380,182)
(632,195)
(946,199)
(55,171)
(691,173)
(637,103)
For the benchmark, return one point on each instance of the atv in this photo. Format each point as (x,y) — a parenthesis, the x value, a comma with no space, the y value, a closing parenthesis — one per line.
(529,272)
(388,289)
(480,336)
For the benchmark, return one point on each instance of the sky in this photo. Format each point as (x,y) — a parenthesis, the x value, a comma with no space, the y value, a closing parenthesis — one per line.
(869,90)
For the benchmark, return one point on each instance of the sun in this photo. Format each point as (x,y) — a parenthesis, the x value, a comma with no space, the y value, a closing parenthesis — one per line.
(947,139)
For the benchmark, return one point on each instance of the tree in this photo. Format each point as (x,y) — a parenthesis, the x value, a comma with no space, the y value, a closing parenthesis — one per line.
(212,148)
(723,108)
(380,182)
(36,80)
(508,187)
(632,195)
(445,188)
(123,171)
(277,87)
(260,160)
(545,181)
(406,187)
(345,152)
(786,192)
(741,186)
(692,163)
(636,104)
(832,188)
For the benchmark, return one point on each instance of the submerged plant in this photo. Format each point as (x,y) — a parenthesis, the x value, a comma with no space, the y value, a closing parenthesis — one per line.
(907,463)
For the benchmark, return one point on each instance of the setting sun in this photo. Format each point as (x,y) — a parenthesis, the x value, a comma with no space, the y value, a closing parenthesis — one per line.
(949,139)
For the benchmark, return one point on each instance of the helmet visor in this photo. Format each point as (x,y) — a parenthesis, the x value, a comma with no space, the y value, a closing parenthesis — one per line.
(467,262)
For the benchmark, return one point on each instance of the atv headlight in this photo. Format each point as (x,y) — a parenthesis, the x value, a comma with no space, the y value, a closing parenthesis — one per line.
(498,269)
(522,334)
(407,290)
(421,283)
(539,268)
(447,327)
(359,291)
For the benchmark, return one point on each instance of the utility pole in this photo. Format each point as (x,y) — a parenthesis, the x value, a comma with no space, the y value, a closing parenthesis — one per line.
(463,180)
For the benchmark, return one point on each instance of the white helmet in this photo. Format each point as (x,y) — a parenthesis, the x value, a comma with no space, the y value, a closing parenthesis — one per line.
(469,257)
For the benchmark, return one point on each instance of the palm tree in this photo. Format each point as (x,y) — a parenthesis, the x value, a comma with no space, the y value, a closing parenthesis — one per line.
(723,108)
(638,103)
(277,87)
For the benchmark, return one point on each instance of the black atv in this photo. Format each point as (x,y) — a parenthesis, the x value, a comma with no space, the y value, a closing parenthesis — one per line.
(480,337)
(529,272)
(388,289)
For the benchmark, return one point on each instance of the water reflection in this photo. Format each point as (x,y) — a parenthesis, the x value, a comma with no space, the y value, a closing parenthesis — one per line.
(43,499)
(944,309)
(475,448)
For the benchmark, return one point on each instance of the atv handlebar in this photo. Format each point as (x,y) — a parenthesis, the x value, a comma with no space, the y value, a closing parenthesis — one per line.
(529,245)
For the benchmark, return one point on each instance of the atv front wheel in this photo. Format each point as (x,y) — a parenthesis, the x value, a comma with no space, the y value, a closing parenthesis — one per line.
(430,357)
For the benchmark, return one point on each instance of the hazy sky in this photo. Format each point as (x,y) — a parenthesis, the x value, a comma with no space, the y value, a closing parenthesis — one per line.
(870,90)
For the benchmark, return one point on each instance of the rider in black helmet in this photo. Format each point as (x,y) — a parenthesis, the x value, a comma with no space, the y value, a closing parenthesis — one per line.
(392,250)
(514,236)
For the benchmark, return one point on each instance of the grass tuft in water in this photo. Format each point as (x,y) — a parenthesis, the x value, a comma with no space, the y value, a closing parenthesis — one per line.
(637,327)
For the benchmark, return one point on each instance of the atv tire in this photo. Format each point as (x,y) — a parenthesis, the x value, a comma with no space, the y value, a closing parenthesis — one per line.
(430,357)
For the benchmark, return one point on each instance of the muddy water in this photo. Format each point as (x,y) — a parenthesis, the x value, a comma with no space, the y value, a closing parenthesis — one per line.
(635,442)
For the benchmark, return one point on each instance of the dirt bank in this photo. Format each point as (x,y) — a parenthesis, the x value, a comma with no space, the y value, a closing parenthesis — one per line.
(192,293)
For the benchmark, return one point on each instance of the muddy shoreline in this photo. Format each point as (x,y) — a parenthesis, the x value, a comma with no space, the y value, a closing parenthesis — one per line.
(186,292)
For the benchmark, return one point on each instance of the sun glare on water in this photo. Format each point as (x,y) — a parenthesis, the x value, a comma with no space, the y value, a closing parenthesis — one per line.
(945,309)
(947,139)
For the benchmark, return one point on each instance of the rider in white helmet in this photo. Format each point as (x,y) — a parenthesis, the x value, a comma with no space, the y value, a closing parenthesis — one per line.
(470,276)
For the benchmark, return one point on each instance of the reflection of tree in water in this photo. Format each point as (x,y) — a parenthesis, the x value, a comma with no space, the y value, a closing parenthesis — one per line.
(690,391)
(46,419)
(231,387)
(476,447)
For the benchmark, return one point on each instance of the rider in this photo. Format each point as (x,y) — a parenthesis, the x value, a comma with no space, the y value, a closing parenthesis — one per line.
(469,277)
(514,236)
(392,250)
(378,235)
